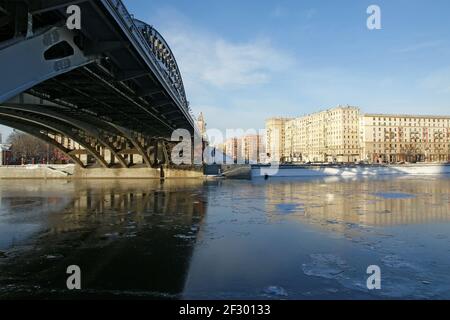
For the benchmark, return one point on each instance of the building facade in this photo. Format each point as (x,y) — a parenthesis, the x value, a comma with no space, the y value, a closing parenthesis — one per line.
(248,149)
(344,134)
(405,138)
(327,136)
(253,149)
(275,139)
(5,154)
(230,149)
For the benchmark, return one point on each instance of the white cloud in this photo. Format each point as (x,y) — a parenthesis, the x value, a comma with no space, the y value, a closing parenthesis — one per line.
(240,83)
(245,64)
(217,72)
(209,59)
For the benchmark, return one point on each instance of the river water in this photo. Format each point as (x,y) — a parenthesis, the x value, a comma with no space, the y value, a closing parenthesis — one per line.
(227,239)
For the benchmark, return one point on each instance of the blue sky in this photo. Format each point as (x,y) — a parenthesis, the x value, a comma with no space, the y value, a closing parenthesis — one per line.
(245,61)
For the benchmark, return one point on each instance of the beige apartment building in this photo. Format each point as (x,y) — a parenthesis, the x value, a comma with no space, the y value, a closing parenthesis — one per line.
(405,138)
(327,136)
(344,134)
(275,139)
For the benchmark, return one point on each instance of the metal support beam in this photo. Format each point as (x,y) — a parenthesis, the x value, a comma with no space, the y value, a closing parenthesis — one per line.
(33,67)
(131,74)
(171,112)
(165,152)
(98,47)
(148,92)
(161,104)
(42,6)
(130,136)
(127,98)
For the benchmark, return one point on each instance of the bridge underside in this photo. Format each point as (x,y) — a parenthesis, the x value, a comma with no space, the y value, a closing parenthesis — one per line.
(86,139)
(98,94)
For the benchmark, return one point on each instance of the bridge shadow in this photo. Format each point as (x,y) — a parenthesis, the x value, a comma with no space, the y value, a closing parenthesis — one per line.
(132,239)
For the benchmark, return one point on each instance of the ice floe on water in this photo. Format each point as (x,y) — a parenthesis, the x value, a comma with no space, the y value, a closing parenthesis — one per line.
(400,279)
(54,256)
(275,291)
(395,261)
(185,236)
(289,208)
(327,266)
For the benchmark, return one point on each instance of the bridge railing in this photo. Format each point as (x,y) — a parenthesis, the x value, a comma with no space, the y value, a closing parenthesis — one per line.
(130,22)
(166,59)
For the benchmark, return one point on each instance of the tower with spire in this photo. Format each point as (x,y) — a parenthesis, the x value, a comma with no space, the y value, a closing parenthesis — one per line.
(201,124)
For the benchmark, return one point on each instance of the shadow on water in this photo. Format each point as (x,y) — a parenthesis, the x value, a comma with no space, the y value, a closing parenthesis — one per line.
(130,238)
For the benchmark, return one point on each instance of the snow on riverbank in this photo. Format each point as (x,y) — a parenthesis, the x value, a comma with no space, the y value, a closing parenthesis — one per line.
(362,170)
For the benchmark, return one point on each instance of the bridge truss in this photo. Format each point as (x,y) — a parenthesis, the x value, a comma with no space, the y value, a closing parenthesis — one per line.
(110,94)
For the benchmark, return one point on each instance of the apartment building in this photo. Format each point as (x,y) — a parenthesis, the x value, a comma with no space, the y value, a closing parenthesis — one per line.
(253,149)
(275,139)
(344,134)
(248,149)
(327,136)
(405,138)
(231,149)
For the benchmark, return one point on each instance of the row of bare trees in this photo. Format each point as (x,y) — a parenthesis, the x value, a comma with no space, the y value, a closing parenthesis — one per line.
(26,149)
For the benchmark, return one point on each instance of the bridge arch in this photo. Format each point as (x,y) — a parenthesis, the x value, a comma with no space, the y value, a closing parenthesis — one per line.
(82,126)
(57,128)
(37,132)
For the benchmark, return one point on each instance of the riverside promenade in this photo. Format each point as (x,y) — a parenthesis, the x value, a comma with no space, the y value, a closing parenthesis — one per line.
(325,170)
(237,171)
(71,171)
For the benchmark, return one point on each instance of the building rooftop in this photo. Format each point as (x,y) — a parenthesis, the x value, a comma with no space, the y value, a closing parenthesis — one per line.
(406,116)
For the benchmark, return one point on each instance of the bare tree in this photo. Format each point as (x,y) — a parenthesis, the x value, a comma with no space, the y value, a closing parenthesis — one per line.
(28,149)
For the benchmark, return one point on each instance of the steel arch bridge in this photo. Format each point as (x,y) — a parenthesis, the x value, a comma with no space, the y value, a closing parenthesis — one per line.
(109,94)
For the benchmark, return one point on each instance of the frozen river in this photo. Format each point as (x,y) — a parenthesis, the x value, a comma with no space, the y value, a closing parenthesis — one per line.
(275,239)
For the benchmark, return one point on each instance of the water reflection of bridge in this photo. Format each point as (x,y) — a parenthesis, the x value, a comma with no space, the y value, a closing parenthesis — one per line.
(133,238)
(372,202)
